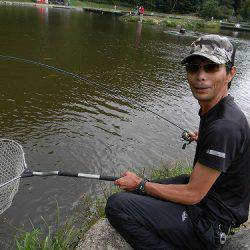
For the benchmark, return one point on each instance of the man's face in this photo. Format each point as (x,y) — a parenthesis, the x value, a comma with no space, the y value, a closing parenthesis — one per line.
(208,86)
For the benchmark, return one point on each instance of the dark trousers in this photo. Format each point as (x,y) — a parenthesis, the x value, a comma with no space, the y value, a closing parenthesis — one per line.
(149,223)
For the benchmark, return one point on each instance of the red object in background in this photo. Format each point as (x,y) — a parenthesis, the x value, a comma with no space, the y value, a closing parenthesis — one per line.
(141,10)
(40,1)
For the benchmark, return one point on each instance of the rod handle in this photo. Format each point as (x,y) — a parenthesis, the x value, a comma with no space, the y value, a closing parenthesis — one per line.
(69,174)
(108,178)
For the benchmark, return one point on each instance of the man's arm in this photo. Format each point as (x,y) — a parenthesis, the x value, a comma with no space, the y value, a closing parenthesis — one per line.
(201,180)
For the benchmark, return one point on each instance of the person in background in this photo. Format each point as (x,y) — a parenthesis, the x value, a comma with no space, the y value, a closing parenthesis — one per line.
(141,12)
(196,211)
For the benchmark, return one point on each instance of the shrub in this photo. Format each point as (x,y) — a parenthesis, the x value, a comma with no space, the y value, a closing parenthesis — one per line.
(240,18)
(210,8)
(245,10)
(150,21)
(200,24)
(169,23)
(212,25)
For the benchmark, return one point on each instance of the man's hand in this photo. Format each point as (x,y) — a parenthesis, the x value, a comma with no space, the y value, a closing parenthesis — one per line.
(129,181)
(193,135)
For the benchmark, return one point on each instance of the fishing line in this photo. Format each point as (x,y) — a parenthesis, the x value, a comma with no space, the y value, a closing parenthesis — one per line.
(89,81)
(12,161)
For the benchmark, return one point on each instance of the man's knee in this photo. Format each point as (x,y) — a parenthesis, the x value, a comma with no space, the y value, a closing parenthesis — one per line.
(112,202)
(116,201)
(117,204)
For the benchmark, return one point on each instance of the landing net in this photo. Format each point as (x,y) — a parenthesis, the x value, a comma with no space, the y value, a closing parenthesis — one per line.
(12,165)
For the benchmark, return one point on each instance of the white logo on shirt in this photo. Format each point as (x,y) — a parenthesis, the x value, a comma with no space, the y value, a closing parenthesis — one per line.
(216,153)
(184,216)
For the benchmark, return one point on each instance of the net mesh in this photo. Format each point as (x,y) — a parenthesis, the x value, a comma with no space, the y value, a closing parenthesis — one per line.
(12,165)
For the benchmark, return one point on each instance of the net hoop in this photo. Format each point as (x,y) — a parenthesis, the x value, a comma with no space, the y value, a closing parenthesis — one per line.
(12,165)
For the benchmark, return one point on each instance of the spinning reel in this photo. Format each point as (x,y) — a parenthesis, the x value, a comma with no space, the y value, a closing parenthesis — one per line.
(186,137)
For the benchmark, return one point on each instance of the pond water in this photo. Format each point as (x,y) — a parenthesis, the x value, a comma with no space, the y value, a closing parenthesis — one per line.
(96,126)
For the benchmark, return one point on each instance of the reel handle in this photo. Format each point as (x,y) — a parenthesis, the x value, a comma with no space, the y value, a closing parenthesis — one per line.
(186,137)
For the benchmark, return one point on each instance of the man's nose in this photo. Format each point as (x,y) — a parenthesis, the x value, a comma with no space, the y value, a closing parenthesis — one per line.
(201,74)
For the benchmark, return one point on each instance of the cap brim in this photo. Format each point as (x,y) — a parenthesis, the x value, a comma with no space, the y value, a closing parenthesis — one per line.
(215,59)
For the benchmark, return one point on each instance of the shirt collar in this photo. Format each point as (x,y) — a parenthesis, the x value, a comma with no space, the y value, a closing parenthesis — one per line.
(216,107)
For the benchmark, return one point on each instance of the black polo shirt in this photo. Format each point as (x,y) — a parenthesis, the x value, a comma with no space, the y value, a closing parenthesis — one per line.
(223,144)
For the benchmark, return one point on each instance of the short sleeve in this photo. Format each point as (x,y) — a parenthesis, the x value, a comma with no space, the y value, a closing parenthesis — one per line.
(221,144)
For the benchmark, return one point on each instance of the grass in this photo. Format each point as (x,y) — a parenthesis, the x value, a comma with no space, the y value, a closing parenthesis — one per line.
(67,235)
(87,4)
(187,22)
(25,1)
(94,5)
(167,172)
(84,4)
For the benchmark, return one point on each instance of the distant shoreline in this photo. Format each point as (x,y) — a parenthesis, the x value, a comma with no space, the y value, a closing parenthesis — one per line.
(30,4)
(162,19)
(78,8)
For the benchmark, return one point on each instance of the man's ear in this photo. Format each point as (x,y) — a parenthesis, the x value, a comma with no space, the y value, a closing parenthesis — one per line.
(232,74)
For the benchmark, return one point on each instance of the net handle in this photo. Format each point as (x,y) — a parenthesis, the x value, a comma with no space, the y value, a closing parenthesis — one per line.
(69,174)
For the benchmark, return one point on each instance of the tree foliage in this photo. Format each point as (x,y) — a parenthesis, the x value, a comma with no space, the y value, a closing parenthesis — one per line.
(210,9)
(245,10)
(217,9)
(207,8)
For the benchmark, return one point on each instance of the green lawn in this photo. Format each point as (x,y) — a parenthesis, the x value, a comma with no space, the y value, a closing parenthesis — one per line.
(87,4)
(26,1)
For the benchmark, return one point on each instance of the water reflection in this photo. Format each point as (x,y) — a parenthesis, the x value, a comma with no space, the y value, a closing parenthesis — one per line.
(43,15)
(138,34)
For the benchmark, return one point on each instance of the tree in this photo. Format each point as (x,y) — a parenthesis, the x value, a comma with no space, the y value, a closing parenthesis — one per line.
(237,6)
(225,11)
(245,10)
(164,5)
(186,6)
(210,8)
(227,3)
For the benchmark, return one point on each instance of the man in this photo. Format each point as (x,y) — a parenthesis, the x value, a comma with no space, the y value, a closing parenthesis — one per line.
(195,212)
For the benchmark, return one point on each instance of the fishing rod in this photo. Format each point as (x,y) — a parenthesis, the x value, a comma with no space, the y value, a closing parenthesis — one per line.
(185,134)
(12,161)
(13,168)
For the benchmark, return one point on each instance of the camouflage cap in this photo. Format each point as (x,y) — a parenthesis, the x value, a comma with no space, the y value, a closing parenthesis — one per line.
(213,47)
